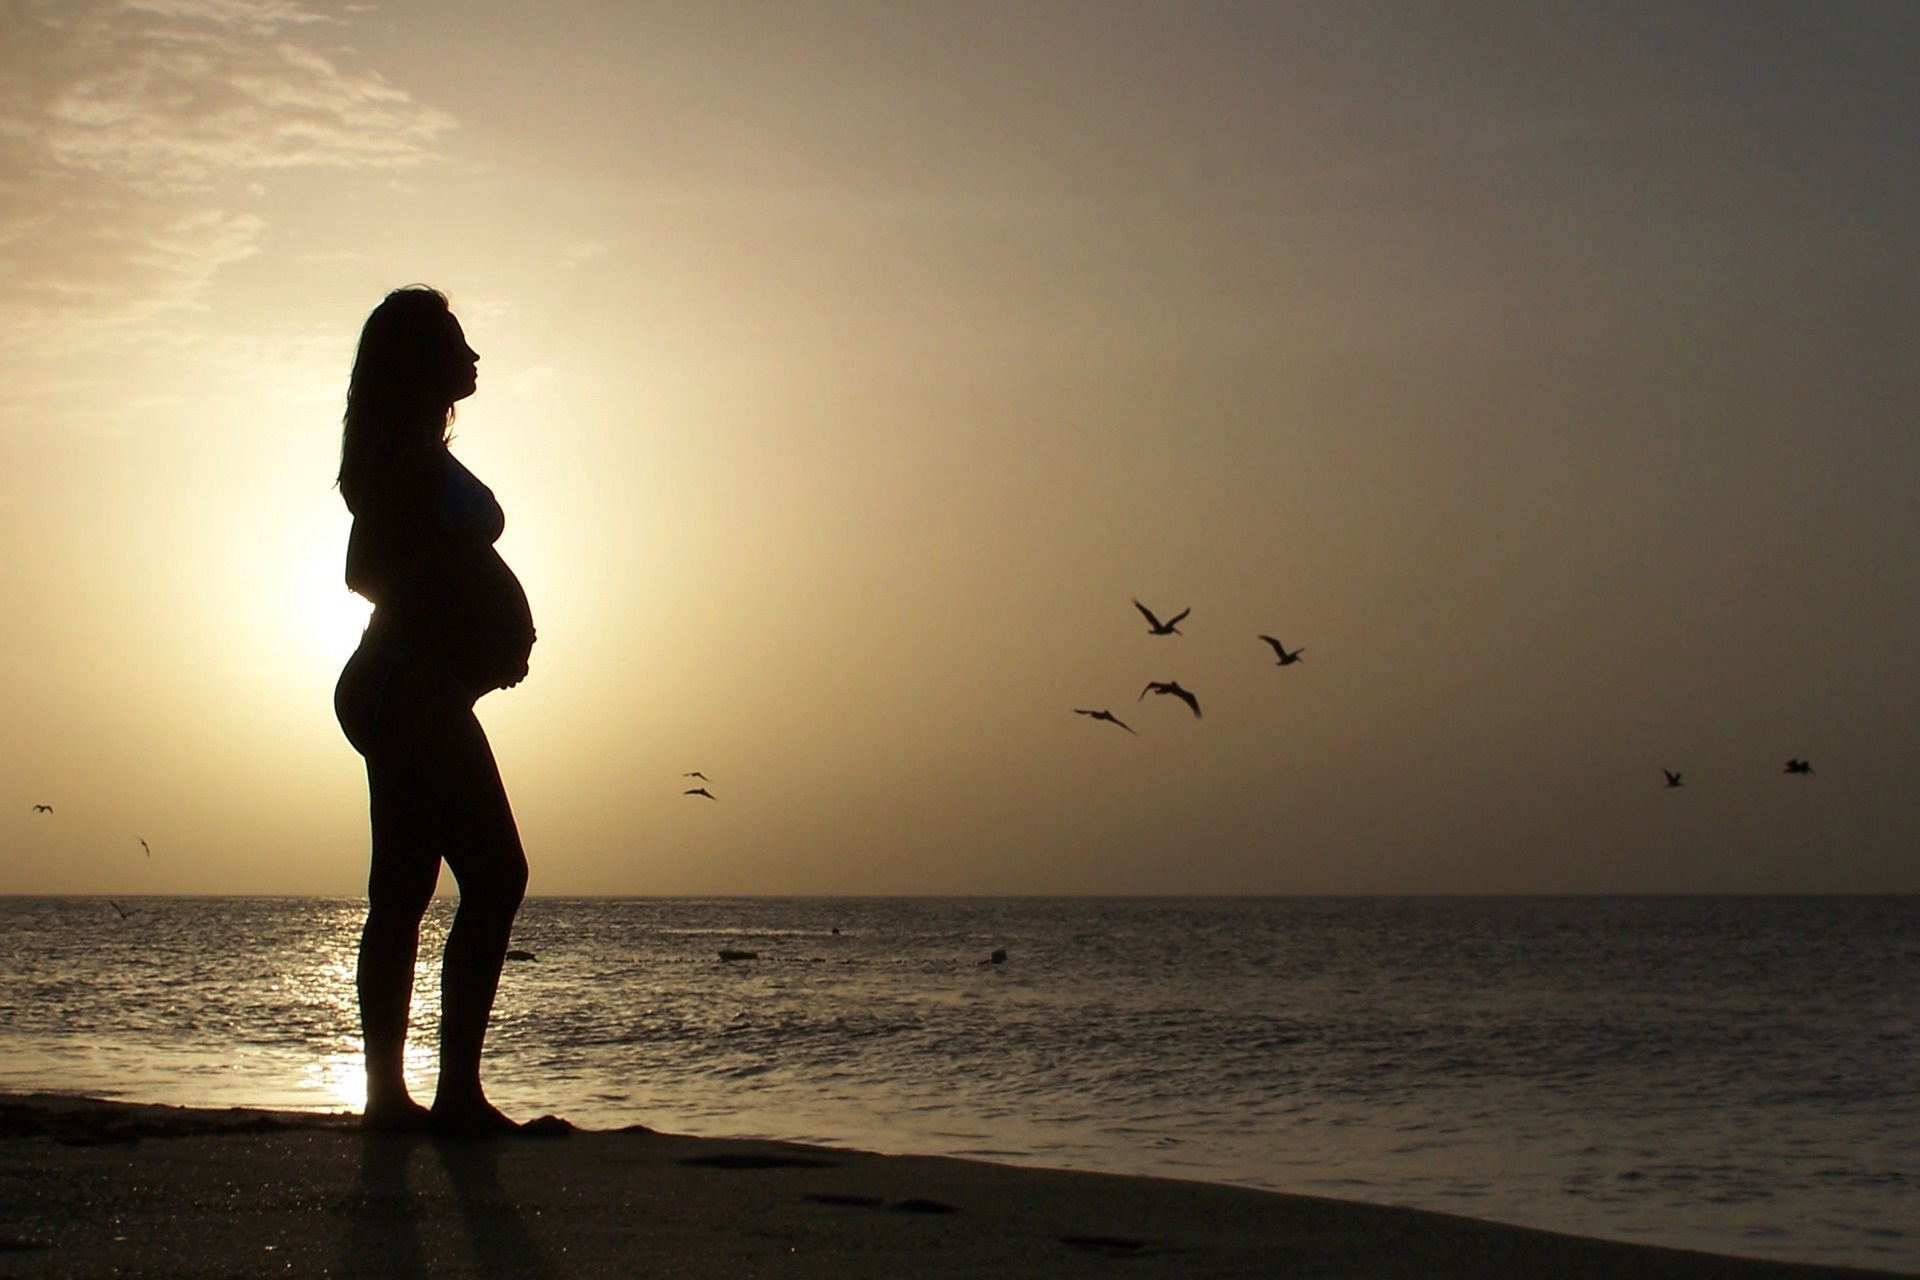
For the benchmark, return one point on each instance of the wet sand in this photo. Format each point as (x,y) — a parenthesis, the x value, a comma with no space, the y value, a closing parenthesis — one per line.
(90,1188)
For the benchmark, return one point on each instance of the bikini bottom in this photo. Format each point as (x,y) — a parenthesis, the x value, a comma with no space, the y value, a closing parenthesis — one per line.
(370,684)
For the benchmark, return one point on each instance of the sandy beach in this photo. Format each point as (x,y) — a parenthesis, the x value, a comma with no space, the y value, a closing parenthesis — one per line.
(92,1188)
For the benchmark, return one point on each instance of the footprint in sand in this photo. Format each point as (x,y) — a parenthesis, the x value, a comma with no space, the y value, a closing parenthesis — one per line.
(916,1205)
(923,1206)
(1109,1246)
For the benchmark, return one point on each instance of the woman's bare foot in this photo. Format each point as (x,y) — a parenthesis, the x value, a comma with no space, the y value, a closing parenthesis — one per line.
(477,1118)
(402,1115)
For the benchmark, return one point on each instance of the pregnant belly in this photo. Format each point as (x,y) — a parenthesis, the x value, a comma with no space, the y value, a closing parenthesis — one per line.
(471,614)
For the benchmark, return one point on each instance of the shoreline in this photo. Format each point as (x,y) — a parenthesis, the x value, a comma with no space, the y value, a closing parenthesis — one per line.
(96,1188)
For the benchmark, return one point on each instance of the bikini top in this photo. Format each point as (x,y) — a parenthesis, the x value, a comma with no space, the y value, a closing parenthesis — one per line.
(468,506)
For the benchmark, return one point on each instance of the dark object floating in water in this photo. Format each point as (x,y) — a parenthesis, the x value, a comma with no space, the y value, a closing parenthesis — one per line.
(918,1205)
(1797,765)
(997,956)
(851,1202)
(517,954)
(1111,1246)
(739,955)
(757,1160)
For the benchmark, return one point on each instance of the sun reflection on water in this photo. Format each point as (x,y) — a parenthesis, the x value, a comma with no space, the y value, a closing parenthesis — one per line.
(338,1081)
(325,988)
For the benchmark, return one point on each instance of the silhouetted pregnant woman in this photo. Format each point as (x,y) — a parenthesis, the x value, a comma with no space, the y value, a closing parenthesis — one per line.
(450,623)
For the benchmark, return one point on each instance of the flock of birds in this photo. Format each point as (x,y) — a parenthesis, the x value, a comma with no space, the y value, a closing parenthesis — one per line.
(1172,688)
(1283,657)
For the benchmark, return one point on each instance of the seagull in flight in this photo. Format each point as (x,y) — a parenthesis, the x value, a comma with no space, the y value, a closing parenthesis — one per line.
(1155,627)
(147,847)
(124,913)
(1172,687)
(43,808)
(1280,651)
(1109,717)
(695,773)
(1673,779)
(699,791)
(1797,765)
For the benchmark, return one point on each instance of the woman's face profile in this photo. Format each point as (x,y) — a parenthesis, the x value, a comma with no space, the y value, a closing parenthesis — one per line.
(460,363)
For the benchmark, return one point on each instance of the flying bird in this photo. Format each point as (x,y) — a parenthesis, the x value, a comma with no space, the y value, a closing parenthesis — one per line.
(124,913)
(1280,651)
(1172,687)
(1155,627)
(1673,779)
(1109,717)
(1797,765)
(699,791)
(695,773)
(147,847)
(43,808)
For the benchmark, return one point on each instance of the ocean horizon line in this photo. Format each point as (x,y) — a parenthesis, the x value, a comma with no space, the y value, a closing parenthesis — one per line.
(1411,896)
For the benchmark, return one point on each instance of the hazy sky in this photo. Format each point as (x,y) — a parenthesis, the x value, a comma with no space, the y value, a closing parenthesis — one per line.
(1548,372)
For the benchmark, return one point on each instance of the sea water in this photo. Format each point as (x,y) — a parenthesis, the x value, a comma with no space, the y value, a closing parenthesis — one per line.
(1736,1075)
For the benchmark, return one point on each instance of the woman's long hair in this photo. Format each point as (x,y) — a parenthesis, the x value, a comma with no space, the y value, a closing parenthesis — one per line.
(394,401)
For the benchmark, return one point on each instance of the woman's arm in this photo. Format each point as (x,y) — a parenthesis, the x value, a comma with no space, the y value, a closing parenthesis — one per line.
(397,532)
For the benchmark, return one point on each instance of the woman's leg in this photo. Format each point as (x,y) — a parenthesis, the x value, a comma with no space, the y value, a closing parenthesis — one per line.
(404,866)
(481,844)
(400,883)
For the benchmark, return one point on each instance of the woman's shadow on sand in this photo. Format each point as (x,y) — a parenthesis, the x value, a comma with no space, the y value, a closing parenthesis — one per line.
(400,1223)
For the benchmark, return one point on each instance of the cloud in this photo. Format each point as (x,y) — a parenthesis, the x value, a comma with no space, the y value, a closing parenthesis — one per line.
(189,114)
(135,139)
(261,17)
